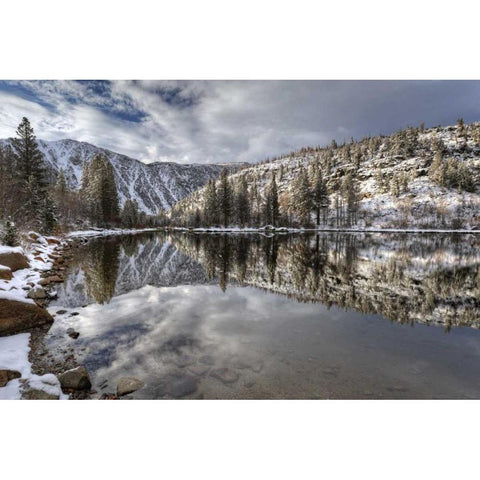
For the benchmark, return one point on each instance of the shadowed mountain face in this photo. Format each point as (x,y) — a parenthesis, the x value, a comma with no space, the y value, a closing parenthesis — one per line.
(153,186)
(405,278)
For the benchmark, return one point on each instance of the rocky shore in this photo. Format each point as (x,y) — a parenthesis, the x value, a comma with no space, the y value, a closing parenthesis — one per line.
(29,278)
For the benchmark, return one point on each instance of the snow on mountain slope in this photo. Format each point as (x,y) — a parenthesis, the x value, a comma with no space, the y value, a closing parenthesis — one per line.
(374,161)
(154,186)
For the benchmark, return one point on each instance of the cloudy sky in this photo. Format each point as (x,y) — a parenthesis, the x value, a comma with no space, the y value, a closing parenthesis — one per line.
(224,121)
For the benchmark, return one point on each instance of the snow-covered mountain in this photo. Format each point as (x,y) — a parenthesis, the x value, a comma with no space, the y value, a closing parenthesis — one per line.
(155,185)
(393,175)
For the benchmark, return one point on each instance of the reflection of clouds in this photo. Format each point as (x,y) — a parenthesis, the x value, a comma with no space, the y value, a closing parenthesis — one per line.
(149,332)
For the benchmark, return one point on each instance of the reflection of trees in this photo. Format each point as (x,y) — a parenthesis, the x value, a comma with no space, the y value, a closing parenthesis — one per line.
(101,269)
(129,244)
(403,277)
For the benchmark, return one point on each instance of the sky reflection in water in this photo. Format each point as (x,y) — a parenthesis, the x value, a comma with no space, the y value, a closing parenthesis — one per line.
(180,313)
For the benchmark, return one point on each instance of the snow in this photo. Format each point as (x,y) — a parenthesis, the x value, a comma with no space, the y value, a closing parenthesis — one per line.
(107,232)
(153,186)
(16,296)
(14,356)
(5,249)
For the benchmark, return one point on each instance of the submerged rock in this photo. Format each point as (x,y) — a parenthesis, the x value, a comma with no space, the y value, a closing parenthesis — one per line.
(17,316)
(72,333)
(182,386)
(7,375)
(75,379)
(128,385)
(198,370)
(225,374)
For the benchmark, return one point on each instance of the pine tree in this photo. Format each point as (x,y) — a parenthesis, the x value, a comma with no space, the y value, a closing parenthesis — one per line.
(351,196)
(61,188)
(320,196)
(242,202)
(10,237)
(29,159)
(437,170)
(273,193)
(301,198)
(9,191)
(129,215)
(211,204)
(99,191)
(225,198)
(30,173)
(49,215)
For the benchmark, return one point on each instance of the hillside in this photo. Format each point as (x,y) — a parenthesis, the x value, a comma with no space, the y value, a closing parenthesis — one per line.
(396,186)
(154,186)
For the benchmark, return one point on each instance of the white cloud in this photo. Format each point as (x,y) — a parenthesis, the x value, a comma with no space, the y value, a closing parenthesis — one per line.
(222,121)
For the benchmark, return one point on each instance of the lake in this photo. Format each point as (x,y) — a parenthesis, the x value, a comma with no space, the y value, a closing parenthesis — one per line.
(293,316)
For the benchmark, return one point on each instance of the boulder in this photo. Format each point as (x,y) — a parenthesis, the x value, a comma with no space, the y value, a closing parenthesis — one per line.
(17,316)
(34,394)
(7,375)
(5,273)
(75,379)
(128,385)
(14,259)
(37,293)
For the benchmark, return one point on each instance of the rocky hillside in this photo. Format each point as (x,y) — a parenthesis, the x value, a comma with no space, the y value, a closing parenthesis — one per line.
(397,187)
(154,186)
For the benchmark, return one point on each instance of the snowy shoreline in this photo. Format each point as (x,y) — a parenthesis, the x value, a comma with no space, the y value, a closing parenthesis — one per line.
(309,230)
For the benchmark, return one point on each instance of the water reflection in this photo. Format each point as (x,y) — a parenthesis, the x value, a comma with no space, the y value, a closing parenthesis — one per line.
(405,278)
(290,316)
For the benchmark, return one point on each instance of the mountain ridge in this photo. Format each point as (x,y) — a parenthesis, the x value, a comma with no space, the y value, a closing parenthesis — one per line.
(156,185)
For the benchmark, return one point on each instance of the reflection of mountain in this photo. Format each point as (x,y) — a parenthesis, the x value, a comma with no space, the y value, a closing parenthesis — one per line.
(108,267)
(406,278)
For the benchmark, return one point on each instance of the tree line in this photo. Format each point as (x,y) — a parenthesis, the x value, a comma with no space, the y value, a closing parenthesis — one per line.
(31,198)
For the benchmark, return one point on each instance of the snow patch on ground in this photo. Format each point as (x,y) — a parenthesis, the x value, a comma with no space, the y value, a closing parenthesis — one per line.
(14,356)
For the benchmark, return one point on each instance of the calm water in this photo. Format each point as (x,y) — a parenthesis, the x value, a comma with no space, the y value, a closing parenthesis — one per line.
(288,316)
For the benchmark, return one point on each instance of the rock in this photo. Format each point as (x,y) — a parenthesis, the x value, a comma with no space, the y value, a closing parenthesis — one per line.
(17,316)
(225,374)
(74,314)
(33,394)
(255,366)
(128,385)
(52,241)
(49,280)
(60,312)
(7,375)
(14,260)
(33,236)
(37,293)
(5,273)
(39,259)
(181,386)
(183,360)
(75,379)
(72,333)
(198,370)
